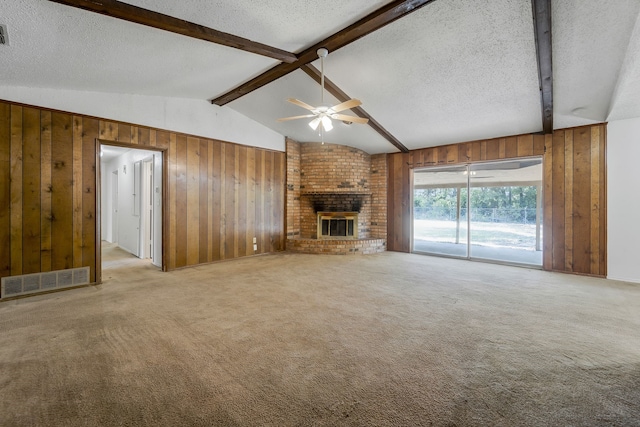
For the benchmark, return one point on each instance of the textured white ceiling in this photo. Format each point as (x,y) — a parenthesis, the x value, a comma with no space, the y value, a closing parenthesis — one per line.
(453,71)
(289,25)
(590,41)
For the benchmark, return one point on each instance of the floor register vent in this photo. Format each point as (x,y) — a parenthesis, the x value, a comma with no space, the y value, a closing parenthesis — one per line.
(31,283)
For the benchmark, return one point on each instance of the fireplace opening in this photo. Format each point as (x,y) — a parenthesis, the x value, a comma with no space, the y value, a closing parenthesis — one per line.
(337,225)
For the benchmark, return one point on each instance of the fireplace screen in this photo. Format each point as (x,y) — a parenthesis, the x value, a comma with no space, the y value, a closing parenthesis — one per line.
(342,225)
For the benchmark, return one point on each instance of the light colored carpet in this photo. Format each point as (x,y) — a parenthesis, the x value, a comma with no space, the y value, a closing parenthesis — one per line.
(309,340)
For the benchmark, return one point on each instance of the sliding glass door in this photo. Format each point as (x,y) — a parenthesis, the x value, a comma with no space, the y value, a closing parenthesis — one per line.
(440,211)
(490,211)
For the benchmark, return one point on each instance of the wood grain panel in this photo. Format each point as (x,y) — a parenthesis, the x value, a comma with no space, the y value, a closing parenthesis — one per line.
(223,201)
(595,201)
(143,135)
(203,202)
(62,185)
(173,174)
(241,204)
(108,130)
(259,173)
(251,199)
(5,189)
(45,191)
(77,191)
(582,199)
(494,149)
(558,201)
(90,132)
(180,249)
(124,133)
(193,200)
(548,210)
(31,203)
(16,190)
(216,193)
(568,200)
(268,200)
(525,146)
(230,201)
(511,148)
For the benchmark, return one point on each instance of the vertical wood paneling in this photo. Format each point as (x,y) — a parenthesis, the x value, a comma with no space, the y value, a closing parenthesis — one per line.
(172,203)
(124,133)
(260,201)
(525,146)
(582,199)
(31,202)
(493,149)
(595,200)
(223,201)
(180,249)
(268,200)
(216,193)
(16,190)
(241,205)
(511,148)
(90,131)
(77,191)
(568,200)
(108,130)
(5,189)
(45,191)
(218,197)
(210,197)
(203,202)
(193,200)
(62,191)
(251,199)
(574,192)
(230,201)
(558,201)
(548,210)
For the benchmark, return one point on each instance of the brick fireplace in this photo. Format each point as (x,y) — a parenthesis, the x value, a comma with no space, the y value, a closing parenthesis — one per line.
(326,181)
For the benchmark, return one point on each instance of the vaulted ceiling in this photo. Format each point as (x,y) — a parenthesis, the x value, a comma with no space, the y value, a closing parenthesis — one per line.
(448,71)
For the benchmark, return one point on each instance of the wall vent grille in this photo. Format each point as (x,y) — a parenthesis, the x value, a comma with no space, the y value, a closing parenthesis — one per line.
(4,37)
(31,283)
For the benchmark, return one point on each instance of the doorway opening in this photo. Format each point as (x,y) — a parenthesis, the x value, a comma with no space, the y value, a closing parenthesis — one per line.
(130,181)
(488,211)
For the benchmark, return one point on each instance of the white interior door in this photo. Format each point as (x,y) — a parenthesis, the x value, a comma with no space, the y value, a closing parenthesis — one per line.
(114,207)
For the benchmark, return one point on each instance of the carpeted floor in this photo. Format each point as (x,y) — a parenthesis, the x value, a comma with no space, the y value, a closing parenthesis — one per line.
(307,340)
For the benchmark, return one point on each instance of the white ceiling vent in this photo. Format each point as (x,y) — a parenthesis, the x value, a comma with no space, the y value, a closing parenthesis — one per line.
(4,38)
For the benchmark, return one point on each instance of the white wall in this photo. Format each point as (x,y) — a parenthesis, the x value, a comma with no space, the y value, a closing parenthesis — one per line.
(623,202)
(191,116)
(128,223)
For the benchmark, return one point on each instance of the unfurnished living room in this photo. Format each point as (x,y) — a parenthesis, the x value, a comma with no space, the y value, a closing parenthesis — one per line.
(303,213)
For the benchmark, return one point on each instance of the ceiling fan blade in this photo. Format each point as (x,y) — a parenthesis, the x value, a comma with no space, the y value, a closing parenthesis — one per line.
(300,103)
(284,119)
(346,105)
(352,119)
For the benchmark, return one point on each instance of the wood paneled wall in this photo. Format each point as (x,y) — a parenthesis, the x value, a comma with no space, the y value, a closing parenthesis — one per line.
(574,226)
(220,195)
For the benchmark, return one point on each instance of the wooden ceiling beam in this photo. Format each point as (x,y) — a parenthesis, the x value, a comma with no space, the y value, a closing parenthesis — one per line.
(542,30)
(370,23)
(341,96)
(127,12)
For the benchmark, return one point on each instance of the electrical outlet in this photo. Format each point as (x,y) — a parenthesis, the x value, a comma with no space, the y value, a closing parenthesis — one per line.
(255,247)
(254,240)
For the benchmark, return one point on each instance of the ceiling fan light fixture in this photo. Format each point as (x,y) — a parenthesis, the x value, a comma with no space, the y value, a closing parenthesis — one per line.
(314,123)
(326,123)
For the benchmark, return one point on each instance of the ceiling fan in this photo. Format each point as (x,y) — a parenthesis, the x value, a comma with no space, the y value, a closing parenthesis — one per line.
(323,114)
